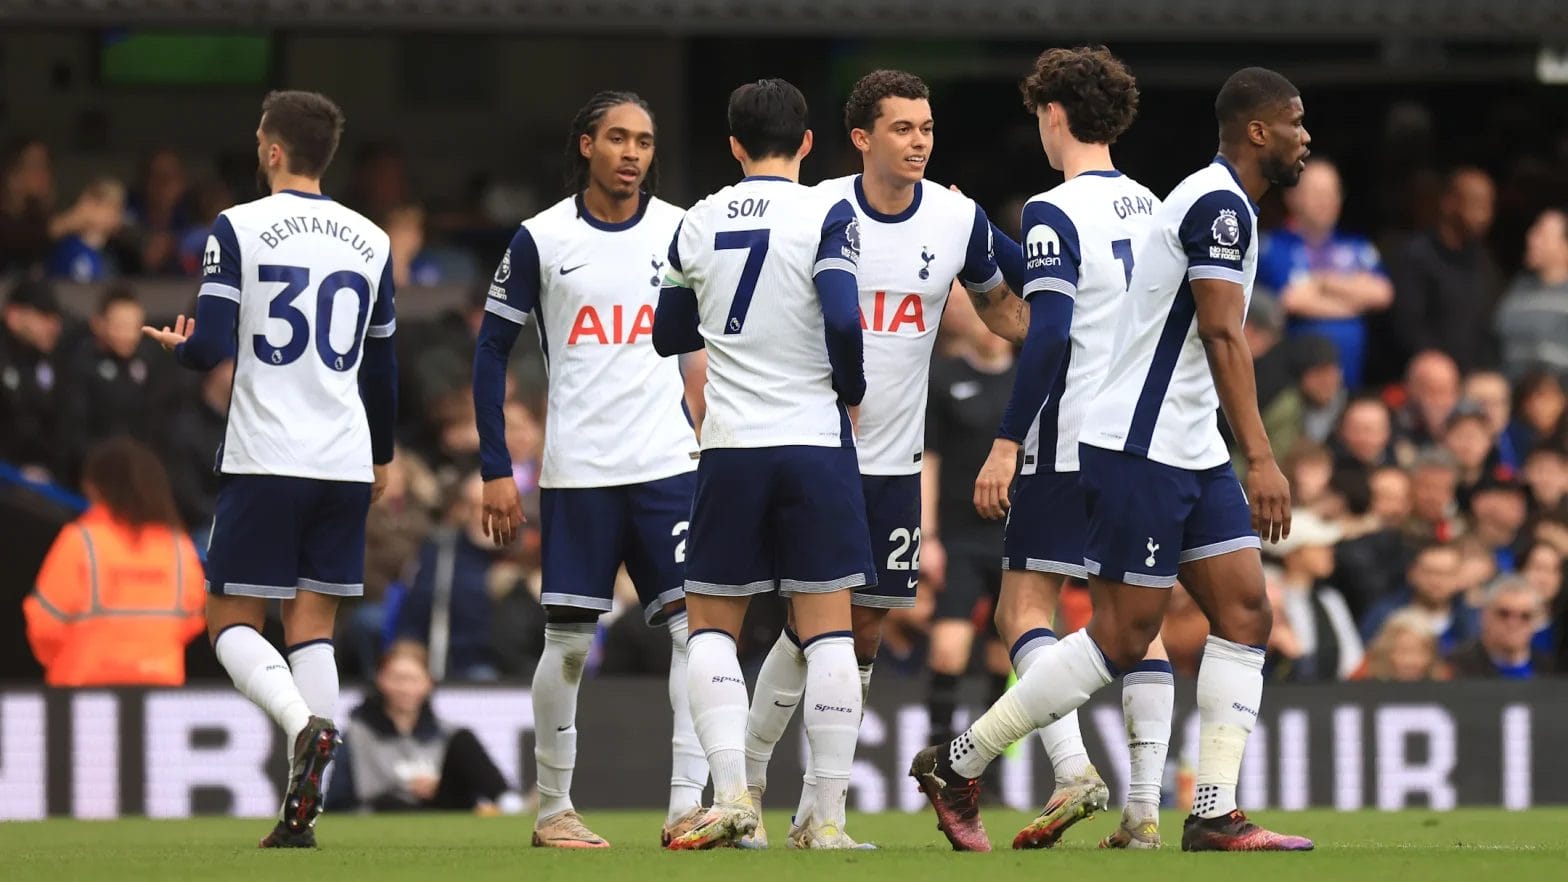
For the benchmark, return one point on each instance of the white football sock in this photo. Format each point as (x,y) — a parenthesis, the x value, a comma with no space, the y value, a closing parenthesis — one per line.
(718,710)
(1230,689)
(315,667)
(1057,683)
(556,679)
(261,675)
(1062,739)
(689,769)
(780,683)
(832,719)
(865,683)
(1148,693)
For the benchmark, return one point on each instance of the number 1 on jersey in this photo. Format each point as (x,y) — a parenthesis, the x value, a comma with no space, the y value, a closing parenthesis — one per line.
(1122,248)
(756,244)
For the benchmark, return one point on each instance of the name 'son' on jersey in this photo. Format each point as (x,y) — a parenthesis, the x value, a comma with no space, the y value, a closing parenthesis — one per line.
(908,316)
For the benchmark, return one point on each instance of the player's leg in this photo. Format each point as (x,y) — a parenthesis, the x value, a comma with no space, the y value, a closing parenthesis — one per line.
(1044,545)
(824,553)
(952,640)
(729,557)
(1127,497)
(1222,568)
(660,513)
(1148,699)
(581,547)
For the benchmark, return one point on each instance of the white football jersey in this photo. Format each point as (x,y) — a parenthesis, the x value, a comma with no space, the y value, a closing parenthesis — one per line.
(1079,239)
(1158,400)
(617,411)
(312,279)
(749,252)
(907,265)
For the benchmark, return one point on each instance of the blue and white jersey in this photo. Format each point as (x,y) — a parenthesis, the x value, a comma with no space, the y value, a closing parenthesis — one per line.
(1079,240)
(616,408)
(750,253)
(907,265)
(312,279)
(1158,400)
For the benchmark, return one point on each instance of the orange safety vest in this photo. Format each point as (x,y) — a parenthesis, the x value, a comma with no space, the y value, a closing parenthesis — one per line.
(115,605)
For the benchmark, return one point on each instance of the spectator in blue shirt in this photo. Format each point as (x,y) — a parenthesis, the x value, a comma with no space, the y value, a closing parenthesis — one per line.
(1326,280)
(1502,651)
(80,257)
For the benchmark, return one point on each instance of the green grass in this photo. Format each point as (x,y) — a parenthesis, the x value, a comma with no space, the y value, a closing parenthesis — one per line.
(1472,845)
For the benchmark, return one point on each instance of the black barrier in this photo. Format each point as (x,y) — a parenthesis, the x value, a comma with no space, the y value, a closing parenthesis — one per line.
(206,750)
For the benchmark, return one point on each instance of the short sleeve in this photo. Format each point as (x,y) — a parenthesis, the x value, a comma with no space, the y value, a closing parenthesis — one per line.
(980,272)
(1215,235)
(220,262)
(514,289)
(1052,254)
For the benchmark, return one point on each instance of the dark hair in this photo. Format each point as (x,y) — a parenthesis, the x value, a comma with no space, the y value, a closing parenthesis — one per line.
(11,156)
(1247,94)
(1094,88)
(586,122)
(1425,548)
(119,292)
(1354,485)
(768,118)
(308,125)
(865,100)
(131,481)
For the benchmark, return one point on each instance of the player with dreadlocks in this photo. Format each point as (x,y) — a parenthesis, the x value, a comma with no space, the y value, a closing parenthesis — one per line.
(620,452)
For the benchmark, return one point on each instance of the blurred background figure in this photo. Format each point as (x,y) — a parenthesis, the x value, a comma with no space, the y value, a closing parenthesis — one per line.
(119,384)
(82,254)
(1328,645)
(398,756)
(120,593)
(1532,320)
(1509,621)
(31,398)
(1404,651)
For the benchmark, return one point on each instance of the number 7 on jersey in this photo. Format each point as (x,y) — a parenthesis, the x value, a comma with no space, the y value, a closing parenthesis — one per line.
(756,244)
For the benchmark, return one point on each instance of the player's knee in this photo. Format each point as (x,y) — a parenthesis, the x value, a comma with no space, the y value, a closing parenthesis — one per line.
(1246,618)
(1124,640)
(867,625)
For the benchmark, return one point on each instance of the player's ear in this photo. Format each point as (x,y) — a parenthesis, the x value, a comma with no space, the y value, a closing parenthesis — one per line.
(860,138)
(585,144)
(1257,132)
(738,151)
(805,145)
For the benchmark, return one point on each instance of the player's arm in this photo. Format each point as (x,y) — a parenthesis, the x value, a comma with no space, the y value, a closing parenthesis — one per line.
(1365,288)
(514,293)
(838,254)
(694,377)
(217,306)
(378,379)
(677,327)
(1050,285)
(1215,235)
(985,276)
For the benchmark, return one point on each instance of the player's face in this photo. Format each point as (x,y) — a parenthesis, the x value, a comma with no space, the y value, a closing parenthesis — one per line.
(1285,149)
(899,143)
(620,151)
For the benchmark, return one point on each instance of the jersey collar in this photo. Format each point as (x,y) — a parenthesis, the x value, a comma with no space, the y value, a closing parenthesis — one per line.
(766,178)
(1237,178)
(303,195)
(879,217)
(1100,173)
(587,217)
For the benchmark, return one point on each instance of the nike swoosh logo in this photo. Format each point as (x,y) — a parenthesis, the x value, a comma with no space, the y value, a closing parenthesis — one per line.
(572,269)
(777,703)
(563,728)
(912,584)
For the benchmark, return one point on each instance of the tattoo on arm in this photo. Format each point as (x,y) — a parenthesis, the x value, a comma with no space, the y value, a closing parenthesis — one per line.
(1006,314)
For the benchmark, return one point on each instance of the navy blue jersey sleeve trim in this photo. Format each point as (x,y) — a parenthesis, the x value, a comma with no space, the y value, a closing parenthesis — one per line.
(980,272)
(1009,258)
(217,323)
(378,390)
(497,335)
(1051,251)
(676,328)
(675,249)
(514,290)
(1040,360)
(1215,235)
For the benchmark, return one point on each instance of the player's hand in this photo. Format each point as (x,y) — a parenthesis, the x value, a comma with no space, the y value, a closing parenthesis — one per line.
(503,510)
(168,338)
(424,787)
(996,478)
(933,561)
(854,419)
(1269,495)
(378,486)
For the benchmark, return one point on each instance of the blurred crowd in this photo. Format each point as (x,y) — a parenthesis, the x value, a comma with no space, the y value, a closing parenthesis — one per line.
(1414,395)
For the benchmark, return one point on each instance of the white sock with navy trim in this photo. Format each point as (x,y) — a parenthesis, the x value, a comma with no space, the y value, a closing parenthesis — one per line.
(1148,694)
(689,766)
(832,718)
(1230,689)
(718,710)
(314,665)
(261,675)
(556,680)
(780,684)
(1062,739)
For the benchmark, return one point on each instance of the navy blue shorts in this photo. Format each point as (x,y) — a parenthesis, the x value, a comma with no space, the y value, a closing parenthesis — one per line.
(1146,518)
(587,532)
(273,536)
(1047,525)
(787,517)
(893,513)
(974,573)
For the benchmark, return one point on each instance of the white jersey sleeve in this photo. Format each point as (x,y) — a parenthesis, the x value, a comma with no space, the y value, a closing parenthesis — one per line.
(749,253)
(1159,399)
(313,280)
(617,410)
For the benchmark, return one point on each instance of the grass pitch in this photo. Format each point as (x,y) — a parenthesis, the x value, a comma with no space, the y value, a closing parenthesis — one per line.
(1469,845)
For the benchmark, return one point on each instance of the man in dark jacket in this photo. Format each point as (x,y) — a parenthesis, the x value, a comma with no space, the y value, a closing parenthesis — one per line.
(30,387)
(1511,616)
